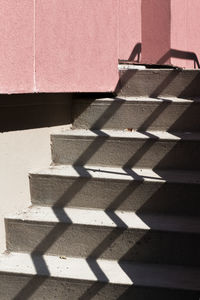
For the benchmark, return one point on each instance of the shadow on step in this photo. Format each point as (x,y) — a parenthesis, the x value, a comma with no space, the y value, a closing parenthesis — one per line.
(39,262)
(171,82)
(147,247)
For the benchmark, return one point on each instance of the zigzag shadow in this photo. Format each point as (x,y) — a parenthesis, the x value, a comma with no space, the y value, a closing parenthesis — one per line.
(138,251)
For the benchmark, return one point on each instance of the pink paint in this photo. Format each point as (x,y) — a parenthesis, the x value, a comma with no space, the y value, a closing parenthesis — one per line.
(155,30)
(129,29)
(76,45)
(170,32)
(185,24)
(169,29)
(16,46)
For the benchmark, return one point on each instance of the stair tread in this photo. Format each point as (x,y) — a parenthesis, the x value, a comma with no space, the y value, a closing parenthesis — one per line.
(111,219)
(142,100)
(116,173)
(152,275)
(126,134)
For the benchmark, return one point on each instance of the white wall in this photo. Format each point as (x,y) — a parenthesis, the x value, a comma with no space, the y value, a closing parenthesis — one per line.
(20,152)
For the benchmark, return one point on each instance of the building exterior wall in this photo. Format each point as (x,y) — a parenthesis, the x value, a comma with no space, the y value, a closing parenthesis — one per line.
(16,46)
(155,30)
(76,45)
(185,24)
(72,46)
(130,30)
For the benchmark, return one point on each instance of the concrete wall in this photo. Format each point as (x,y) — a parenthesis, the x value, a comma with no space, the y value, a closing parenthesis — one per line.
(25,145)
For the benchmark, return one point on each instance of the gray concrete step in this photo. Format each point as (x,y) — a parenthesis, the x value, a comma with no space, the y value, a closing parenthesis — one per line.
(159,83)
(154,150)
(117,235)
(139,190)
(139,113)
(24,276)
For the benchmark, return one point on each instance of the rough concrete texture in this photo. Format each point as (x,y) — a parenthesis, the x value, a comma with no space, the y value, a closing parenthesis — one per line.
(159,83)
(164,192)
(141,114)
(20,152)
(81,279)
(158,150)
(146,248)
(115,235)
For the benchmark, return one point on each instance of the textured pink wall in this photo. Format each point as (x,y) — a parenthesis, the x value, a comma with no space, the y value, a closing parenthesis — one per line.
(16,46)
(129,28)
(170,32)
(155,30)
(70,46)
(76,45)
(185,25)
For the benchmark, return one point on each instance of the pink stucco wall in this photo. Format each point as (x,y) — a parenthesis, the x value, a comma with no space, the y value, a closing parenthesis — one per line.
(76,45)
(185,25)
(70,46)
(167,29)
(155,30)
(16,46)
(130,36)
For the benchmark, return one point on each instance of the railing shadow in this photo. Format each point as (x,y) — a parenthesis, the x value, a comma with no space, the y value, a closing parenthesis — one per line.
(185,55)
(143,249)
(135,55)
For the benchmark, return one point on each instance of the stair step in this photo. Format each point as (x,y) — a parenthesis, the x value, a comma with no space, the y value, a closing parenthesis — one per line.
(92,217)
(106,234)
(159,83)
(139,113)
(141,190)
(50,277)
(155,150)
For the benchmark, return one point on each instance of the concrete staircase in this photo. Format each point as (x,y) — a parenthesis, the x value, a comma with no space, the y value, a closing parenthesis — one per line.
(116,216)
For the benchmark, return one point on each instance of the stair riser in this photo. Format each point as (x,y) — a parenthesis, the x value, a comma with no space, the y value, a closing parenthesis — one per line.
(156,197)
(35,287)
(140,115)
(154,83)
(103,242)
(106,151)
